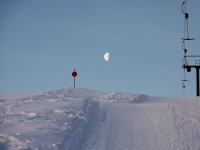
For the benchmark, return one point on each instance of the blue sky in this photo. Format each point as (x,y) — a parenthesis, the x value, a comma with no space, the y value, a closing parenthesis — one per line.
(41,42)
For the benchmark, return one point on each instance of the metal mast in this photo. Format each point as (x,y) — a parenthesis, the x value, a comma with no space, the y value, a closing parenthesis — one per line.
(184,62)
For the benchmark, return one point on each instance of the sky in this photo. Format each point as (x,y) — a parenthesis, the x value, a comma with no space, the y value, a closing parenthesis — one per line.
(42,42)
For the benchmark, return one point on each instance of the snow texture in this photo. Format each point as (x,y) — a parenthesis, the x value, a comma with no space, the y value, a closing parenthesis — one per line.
(82,119)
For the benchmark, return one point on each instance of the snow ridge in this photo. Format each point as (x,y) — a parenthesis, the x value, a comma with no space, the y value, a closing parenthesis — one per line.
(82,119)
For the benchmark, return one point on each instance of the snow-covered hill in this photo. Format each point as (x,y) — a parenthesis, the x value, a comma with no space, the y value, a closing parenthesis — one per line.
(82,119)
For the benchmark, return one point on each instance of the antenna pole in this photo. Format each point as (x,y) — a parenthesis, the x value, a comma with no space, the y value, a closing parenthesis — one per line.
(184,62)
(197,80)
(183,84)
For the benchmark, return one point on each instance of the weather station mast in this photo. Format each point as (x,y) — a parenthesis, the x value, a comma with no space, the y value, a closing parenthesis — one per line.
(184,62)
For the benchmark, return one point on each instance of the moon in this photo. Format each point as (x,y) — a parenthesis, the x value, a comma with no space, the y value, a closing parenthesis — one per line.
(107,56)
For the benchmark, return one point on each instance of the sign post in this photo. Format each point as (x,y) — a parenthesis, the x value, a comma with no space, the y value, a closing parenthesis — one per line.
(74,74)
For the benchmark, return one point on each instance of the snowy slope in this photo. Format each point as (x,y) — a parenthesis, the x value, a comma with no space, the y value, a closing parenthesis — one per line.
(82,119)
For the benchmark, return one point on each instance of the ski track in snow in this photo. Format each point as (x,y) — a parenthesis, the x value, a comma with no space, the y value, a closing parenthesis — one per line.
(81,119)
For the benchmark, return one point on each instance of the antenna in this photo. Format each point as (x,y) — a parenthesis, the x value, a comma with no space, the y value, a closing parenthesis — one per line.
(183,84)
(186,22)
(184,61)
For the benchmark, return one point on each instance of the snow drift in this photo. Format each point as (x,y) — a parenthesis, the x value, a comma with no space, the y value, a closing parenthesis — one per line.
(82,119)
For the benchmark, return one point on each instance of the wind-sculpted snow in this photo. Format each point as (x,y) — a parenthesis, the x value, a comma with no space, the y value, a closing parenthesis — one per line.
(90,94)
(186,121)
(82,119)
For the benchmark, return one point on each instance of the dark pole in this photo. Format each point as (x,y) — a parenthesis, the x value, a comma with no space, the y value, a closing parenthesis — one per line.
(74,82)
(74,74)
(197,76)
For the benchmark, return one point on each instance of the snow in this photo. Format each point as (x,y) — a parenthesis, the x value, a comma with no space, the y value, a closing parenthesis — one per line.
(82,119)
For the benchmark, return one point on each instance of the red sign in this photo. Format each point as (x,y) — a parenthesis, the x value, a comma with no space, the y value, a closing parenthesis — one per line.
(74,74)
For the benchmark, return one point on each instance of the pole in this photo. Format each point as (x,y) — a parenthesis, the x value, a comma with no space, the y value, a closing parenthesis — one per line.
(74,81)
(74,74)
(197,80)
